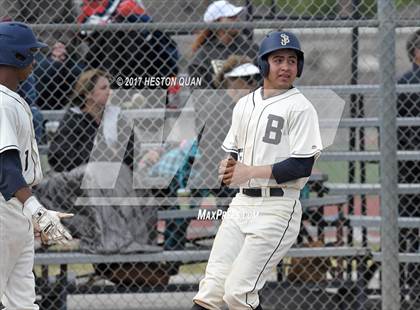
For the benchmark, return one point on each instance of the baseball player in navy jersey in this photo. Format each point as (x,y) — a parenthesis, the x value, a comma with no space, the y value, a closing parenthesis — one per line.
(273,142)
(20,169)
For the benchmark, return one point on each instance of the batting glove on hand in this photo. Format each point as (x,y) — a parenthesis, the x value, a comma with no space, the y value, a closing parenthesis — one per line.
(47,223)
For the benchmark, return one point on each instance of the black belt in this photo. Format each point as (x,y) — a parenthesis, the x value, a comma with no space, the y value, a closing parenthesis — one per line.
(257,192)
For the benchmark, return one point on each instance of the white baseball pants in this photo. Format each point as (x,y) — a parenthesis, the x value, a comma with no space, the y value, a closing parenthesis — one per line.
(17,283)
(254,236)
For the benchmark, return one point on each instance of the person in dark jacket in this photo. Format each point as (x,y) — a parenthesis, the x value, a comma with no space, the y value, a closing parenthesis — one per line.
(56,75)
(237,77)
(80,140)
(73,142)
(127,53)
(28,92)
(211,48)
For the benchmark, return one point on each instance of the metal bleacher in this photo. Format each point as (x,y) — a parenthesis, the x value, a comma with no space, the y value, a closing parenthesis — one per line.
(338,195)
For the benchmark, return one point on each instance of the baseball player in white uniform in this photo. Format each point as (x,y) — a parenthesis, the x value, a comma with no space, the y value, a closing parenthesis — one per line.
(273,143)
(20,211)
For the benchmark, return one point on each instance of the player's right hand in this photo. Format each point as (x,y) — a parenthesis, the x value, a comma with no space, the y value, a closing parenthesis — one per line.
(226,165)
(233,172)
(47,223)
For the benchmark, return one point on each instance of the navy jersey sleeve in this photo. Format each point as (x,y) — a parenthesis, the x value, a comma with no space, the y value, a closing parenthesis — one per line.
(11,178)
(292,169)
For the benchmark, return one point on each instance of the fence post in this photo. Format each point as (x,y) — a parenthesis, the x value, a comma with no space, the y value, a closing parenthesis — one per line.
(388,147)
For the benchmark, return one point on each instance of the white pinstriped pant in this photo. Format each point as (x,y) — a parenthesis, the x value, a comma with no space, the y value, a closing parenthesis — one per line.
(246,249)
(17,284)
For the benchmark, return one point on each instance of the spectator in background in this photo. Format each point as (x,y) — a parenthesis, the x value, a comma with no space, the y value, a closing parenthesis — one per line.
(106,229)
(408,105)
(135,52)
(28,92)
(176,163)
(73,142)
(238,76)
(412,76)
(55,76)
(212,47)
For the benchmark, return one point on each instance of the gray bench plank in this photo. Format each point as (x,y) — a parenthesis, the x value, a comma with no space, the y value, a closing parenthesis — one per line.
(368,189)
(174,201)
(403,257)
(367,221)
(327,251)
(325,156)
(306,203)
(374,122)
(53,115)
(324,201)
(366,155)
(361,88)
(57,115)
(186,256)
(82,258)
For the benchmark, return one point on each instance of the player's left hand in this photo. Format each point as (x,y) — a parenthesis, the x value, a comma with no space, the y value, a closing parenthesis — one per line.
(48,222)
(233,172)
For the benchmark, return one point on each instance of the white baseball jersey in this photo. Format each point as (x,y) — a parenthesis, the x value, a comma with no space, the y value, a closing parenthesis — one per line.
(17,132)
(17,283)
(267,131)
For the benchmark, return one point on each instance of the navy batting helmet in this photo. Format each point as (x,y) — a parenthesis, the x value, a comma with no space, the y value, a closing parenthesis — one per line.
(275,41)
(16,42)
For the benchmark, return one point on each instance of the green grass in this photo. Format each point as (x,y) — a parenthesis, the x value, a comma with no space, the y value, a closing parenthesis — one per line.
(84,269)
(338,171)
(193,268)
(78,269)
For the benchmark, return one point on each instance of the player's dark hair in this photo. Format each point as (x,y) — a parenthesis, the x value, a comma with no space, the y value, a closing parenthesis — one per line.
(85,84)
(413,43)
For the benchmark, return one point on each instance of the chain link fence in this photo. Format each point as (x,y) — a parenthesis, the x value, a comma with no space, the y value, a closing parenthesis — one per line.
(131,102)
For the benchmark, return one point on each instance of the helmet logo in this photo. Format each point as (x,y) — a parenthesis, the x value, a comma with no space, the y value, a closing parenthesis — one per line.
(284,39)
